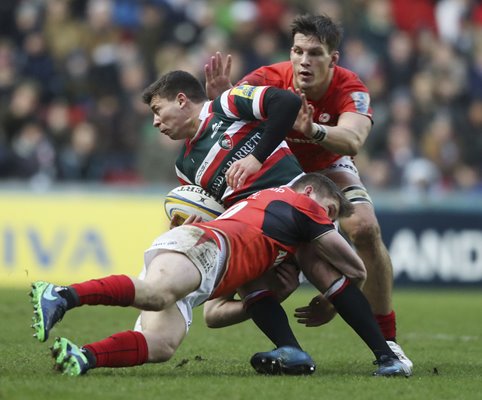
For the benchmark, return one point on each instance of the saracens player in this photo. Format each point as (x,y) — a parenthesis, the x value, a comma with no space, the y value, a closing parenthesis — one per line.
(332,126)
(194,262)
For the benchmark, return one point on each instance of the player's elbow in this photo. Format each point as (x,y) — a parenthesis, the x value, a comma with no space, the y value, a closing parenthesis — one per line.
(353,147)
(358,274)
(211,316)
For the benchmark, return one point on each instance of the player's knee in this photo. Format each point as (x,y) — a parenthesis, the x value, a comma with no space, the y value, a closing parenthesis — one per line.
(364,233)
(360,275)
(154,298)
(161,350)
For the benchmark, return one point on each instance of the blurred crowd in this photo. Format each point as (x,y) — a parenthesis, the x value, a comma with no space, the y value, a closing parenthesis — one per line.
(71,74)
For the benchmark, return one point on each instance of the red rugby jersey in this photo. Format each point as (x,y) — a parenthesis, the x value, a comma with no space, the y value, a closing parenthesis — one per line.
(262,230)
(346,93)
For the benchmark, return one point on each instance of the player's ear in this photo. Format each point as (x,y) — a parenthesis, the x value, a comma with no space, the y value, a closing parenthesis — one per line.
(308,190)
(335,57)
(181,99)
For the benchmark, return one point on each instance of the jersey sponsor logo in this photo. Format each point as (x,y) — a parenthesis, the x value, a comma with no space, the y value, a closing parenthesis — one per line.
(362,101)
(225,142)
(325,117)
(245,91)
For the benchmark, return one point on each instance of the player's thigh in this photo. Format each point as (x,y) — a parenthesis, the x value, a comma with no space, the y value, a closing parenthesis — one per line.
(343,179)
(362,225)
(164,332)
(318,271)
(173,274)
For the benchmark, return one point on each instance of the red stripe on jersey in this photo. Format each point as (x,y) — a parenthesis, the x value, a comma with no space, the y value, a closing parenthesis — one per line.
(221,155)
(231,105)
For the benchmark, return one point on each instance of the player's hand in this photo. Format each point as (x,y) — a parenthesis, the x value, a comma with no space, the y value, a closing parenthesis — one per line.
(304,120)
(178,220)
(287,280)
(241,170)
(319,312)
(193,219)
(217,75)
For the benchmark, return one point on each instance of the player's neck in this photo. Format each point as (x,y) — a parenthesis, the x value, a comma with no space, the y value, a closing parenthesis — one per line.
(318,92)
(195,121)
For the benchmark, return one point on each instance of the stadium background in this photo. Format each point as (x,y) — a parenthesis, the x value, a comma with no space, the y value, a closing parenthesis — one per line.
(82,170)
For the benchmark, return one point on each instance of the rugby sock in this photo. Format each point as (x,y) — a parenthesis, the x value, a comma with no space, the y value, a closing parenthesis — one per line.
(388,325)
(113,290)
(268,315)
(124,349)
(354,308)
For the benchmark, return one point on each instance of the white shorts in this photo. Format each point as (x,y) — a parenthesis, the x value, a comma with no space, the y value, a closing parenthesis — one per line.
(206,255)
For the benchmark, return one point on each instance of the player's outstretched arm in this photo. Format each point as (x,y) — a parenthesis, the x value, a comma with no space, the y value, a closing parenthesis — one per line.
(281,109)
(217,75)
(335,250)
(224,311)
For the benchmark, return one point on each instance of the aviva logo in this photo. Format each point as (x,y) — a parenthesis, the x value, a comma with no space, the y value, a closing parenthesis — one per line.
(246,91)
(37,248)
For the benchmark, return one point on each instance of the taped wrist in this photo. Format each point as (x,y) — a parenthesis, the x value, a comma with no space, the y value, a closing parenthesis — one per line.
(319,132)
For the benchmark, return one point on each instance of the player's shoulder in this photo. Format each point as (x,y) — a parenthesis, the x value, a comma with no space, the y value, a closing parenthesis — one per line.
(349,80)
(278,75)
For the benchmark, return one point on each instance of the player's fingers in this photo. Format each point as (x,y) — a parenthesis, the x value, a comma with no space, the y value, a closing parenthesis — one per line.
(218,57)
(312,324)
(230,175)
(229,61)
(238,178)
(311,110)
(304,104)
(219,63)
(207,72)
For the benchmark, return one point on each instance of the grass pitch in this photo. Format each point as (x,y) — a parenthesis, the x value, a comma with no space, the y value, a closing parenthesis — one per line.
(441,331)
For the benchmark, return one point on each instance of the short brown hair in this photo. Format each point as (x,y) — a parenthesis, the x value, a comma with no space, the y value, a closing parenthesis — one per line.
(320,26)
(325,187)
(172,83)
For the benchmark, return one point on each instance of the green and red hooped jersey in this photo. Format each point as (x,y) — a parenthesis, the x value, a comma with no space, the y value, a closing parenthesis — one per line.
(231,126)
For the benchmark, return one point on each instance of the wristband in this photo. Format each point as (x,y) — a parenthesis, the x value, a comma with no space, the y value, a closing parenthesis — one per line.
(320,132)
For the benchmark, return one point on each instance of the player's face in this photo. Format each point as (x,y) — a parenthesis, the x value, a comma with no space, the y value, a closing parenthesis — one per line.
(169,118)
(331,206)
(312,62)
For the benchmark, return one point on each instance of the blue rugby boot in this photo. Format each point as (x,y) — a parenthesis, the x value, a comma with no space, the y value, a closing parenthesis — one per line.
(283,360)
(69,358)
(48,308)
(391,366)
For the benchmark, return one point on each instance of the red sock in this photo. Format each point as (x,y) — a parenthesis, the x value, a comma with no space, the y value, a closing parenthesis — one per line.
(124,349)
(388,325)
(113,290)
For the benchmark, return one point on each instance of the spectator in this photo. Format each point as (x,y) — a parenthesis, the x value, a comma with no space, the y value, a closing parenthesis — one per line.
(420,59)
